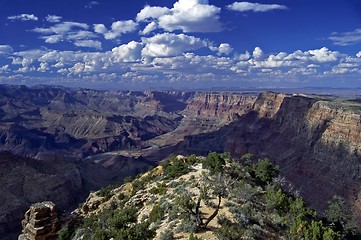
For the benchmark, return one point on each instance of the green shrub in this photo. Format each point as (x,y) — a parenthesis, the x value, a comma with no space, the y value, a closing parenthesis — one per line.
(277,200)
(64,234)
(123,225)
(338,213)
(167,235)
(214,162)
(265,171)
(188,225)
(100,234)
(176,168)
(156,214)
(160,189)
(329,234)
(106,192)
(228,230)
(192,237)
(122,218)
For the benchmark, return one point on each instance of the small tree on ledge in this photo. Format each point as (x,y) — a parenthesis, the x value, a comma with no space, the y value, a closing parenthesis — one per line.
(215,187)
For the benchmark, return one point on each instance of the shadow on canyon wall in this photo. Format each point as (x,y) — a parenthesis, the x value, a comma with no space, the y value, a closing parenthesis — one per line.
(317,161)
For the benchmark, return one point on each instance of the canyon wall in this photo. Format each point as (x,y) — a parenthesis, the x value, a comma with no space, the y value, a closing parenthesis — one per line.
(316,142)
(81,122)
(225,107)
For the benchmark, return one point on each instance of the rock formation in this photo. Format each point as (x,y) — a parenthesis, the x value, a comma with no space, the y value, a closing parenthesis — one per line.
(315,141)
(224,107)
(81,122)
(312,138)
(40,222)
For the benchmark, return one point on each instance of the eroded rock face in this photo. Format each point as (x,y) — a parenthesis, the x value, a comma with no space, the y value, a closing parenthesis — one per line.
(40,222)
(78,122)
(316,143)
(223,106)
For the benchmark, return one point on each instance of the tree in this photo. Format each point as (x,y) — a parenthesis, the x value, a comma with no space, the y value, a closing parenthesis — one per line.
(337,212)
(175,168)
(215,187)
(277,199)
(214,162)
(123,225)
(265,171)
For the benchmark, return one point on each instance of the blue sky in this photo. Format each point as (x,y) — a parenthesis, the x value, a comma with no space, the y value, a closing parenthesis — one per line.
(190,44)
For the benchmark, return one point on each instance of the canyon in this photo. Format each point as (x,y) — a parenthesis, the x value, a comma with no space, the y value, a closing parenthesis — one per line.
(59,144)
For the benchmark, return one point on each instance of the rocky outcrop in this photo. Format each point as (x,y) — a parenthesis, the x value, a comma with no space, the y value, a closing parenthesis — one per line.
(26,180)
(40,222)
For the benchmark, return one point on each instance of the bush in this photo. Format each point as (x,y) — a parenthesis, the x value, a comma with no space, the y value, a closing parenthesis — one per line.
(229,230)
(123,225)
(175,168)
(192,237)
(156,214)
(188,225)
(214,162)
(338,213)
(64,234)
(122,218)
(100,234)
(160,189)
(167,235)
(106,192)
(277,199)
(265,171)
(315,230)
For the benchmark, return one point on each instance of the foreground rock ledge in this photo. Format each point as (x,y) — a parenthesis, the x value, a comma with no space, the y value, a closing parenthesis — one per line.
(40,222)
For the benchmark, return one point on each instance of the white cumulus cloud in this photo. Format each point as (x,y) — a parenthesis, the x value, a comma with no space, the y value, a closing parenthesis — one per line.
(186,15)
(170,44)
(5,68)
(74,32)
(130,52)
(24,17)
(117,29)
(149,12)
(255,7)
(100,28)
(53,38)
(149,28)
(224,49)
(257,53)
(323,55)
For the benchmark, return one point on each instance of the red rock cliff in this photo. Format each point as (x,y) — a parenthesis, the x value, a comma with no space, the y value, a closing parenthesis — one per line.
(316,143)
(223,106)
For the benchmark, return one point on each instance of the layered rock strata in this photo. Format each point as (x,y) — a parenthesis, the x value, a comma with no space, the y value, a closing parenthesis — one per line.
(40,222)
(315,141)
